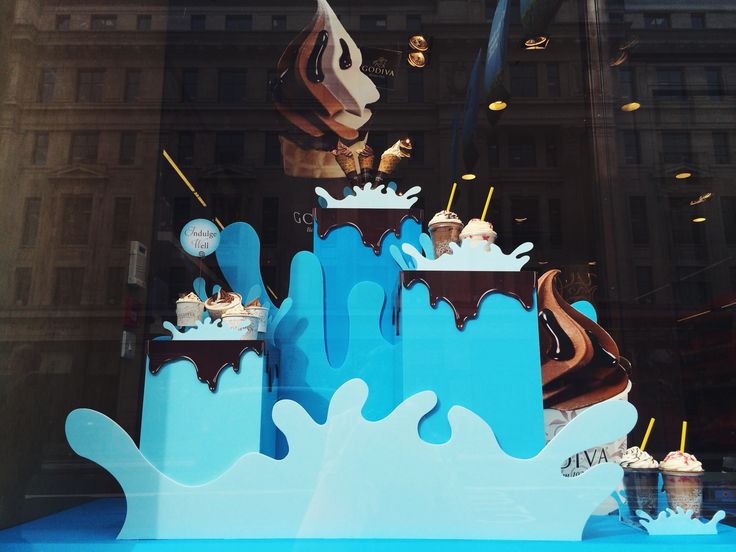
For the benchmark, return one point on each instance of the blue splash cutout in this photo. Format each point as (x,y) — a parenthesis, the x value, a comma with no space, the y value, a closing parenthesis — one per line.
(679,522)
(350,477)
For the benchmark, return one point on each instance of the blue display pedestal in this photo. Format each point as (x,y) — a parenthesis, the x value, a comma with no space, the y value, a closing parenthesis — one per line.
(490,365)
(193,434)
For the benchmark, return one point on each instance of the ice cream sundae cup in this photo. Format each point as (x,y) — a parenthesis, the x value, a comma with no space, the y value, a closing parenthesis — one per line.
(641,479)
(221,302)
(683,481)
(445,227)
(256,309)
(238,318)
(189,310)
(479,230)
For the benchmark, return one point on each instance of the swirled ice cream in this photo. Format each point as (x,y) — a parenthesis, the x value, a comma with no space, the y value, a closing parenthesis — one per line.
(190,297)
(445,216)
(678,461)
(221,302)
(635,458)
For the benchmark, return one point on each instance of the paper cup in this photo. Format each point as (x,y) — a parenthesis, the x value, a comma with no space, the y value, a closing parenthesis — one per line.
(246,325)
(262,314)
(188,312)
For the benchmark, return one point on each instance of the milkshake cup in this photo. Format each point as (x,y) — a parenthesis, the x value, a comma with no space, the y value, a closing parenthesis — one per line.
(641,482)
(479,230)
(683,481)
(445,228)
(189,310)
(262,314)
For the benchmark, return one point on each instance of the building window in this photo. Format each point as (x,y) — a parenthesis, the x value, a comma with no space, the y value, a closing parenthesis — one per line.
(639,220)
(84,147)
(63,22)
(197,22)
(46,84)
(372,22)
(418,148)
(523,80)
(231,86)
(229,148)
(632,152)
(40,148)
(127,148)
(656,21)
(76,213)
(115,285)
(728,208)
(676,147)
(278,23)
(238,22)
(68,286)
(272,149)
(189,84)
(414,23)
(670,82)
(553,80)
(90,85)
(714,82)
(120,220)
(644,285)
(144,23)
(415,85)
(721,151)
(132,85)
(522,150)
(104,22)
(697,20)
(22,286)
(550,150)
(555,221)
(31,220)
(185,149)
(493,152)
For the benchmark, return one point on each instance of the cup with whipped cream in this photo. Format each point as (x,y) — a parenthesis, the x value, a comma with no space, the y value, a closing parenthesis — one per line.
(221,302)
(189,310)
(683,481)
(445,228)
(255,308)
(243,322)
(479,230)
(641,482)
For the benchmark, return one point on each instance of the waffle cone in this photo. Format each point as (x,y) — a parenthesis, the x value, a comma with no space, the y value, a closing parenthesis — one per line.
(346,162)
(311,163)
(388,163)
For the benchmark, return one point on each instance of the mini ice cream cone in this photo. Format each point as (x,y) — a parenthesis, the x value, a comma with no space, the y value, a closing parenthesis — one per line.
(390,159)
(311,163)
(365,159)
(344,157)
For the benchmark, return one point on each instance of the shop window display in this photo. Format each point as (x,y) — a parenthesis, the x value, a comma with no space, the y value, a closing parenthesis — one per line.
(280,271)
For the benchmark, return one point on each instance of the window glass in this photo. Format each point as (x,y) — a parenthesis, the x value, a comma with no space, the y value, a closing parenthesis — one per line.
(90,85)
(132,85)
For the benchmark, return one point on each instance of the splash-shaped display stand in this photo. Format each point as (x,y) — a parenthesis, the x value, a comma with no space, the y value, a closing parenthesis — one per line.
(679,522)
(352,240)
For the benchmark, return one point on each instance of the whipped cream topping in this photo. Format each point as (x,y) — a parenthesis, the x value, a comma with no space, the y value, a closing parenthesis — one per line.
(223,298)
(190,297)
(479,229)
(445,216)
(680,462)
(397,150)
(237,310)
(636,458)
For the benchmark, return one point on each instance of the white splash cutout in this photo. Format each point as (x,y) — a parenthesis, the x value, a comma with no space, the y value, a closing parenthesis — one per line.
(381,197)
(472,255)
(206,330)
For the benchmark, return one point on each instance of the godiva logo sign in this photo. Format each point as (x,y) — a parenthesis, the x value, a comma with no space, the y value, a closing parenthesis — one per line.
(380,65)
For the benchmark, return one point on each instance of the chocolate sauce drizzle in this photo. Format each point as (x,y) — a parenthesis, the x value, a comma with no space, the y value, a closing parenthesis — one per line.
(373,225)
(314,63)
(210,358)
(601,357)
(346,61)
(561,347)
(464,291)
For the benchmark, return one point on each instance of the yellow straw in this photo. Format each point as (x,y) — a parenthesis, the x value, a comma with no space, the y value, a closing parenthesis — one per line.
(488,201)
(646,435)
(452,196)
(184,178)
(682,437)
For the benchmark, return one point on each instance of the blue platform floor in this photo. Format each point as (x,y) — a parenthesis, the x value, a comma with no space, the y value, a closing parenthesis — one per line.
(93,527)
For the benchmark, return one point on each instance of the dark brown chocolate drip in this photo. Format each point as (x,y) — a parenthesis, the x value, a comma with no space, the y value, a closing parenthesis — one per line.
(464,290)
(560,346)
(346,61)
(601,357)
(373,225)
(314,63)
(210,358)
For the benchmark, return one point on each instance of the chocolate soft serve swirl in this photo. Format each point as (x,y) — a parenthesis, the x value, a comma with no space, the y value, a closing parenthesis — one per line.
(580,361)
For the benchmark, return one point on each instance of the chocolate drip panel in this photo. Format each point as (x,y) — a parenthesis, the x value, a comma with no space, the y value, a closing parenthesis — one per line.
(373,225)
(464,291)
(210,358)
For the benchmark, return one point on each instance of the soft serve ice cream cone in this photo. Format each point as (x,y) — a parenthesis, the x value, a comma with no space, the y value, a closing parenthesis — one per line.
(390,159)
(345,158)
(323,93)
(365,159)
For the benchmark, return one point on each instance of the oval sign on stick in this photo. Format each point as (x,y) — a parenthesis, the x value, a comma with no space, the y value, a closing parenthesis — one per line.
(200,237)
